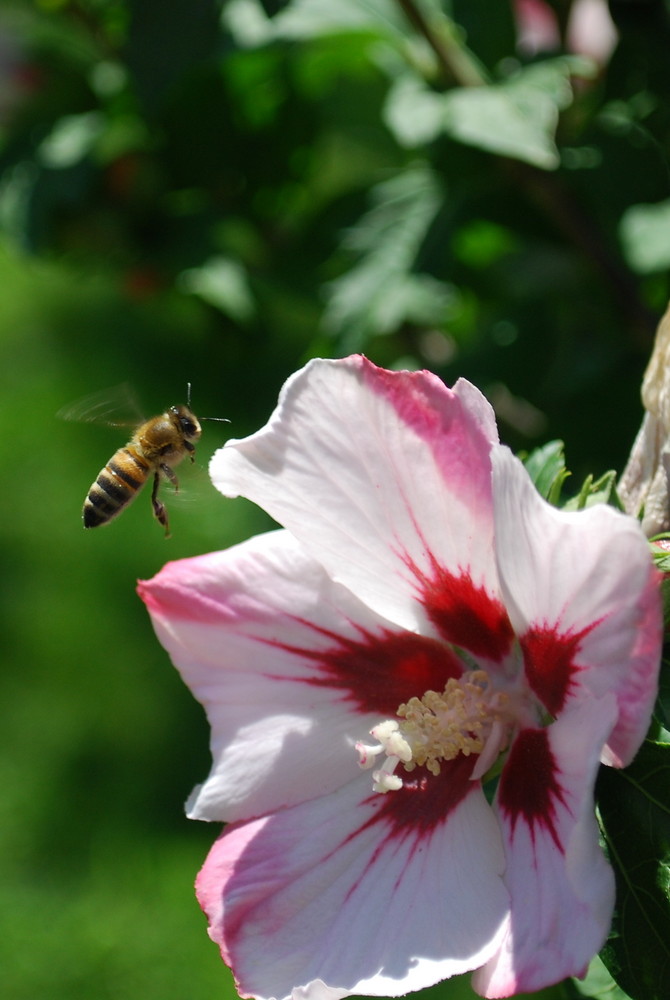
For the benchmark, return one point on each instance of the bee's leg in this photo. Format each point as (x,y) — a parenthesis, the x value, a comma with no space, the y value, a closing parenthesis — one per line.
(160,513)
(170,475)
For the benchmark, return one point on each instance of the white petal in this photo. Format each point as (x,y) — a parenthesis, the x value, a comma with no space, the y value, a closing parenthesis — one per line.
(584,579)
(292,671)
(383,476)
(332,892)
(562,888)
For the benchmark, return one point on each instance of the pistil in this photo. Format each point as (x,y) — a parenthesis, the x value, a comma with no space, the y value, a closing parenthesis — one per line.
(463,719)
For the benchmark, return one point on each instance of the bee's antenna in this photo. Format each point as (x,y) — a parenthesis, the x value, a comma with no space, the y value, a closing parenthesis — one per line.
(188,395)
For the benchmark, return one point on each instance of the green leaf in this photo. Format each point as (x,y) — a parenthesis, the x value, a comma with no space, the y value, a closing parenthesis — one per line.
(665,592)
(308,20)
(248,22)
(661,558)
(634,808)
(381,291)
(546,467)
(515,118)
(595,491)
(645,237)
(313,18)
(661,717)
(662,561)
(598,984)
(71,139)
(222,282)
(493,120)
(413,112)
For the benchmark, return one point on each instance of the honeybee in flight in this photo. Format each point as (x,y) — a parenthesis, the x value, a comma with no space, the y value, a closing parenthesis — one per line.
(155,448)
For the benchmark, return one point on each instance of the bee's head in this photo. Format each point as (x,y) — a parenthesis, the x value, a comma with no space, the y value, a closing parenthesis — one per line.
(187,422)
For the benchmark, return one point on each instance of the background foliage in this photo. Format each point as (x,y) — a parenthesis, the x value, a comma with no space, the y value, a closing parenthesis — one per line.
(215,192)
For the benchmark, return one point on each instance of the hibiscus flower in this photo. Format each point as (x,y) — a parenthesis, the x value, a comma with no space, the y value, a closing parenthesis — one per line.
(410,687)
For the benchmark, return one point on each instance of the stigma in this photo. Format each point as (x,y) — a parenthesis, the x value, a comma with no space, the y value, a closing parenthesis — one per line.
(467,718)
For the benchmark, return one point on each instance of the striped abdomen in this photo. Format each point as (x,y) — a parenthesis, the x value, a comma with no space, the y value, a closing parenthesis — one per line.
(118,483)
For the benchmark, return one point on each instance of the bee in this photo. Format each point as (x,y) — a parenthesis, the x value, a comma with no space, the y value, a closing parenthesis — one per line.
(155,448)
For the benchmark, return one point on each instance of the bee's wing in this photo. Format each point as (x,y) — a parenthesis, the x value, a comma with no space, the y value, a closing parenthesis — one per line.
(195,494)
(116,407)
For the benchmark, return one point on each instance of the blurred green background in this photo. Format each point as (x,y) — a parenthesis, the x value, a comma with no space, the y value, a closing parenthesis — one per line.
(215,192)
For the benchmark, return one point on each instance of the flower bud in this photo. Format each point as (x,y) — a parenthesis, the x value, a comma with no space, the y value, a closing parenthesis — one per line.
(643,487)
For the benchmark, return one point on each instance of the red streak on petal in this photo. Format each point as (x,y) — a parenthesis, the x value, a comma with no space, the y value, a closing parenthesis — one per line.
(528,788)
(464,613)
(380,671)
(549,660)
(426,800)
(423,804)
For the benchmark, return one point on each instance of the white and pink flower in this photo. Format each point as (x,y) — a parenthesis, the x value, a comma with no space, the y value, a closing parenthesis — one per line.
(423,613)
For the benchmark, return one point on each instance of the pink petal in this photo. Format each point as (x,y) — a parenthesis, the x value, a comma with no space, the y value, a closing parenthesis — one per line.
(591,30)
(356,893)
(291,669)
(562,888)
(384,477)
(583,596)
(537,26)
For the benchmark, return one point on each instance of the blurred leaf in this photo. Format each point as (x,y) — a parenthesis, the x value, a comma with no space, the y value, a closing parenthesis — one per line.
(305,20)
(71,139)
(311,18)
(645,236)
(481,243)
(598,984)
(16,195)
(108,78)
(248,22)
(546,467)
(413,112)
(380,292)
(515,118)
(634,807)
(494,120)
(272,7)
(222,282)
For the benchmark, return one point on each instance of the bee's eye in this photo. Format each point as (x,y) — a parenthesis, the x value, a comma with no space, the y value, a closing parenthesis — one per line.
(188,427)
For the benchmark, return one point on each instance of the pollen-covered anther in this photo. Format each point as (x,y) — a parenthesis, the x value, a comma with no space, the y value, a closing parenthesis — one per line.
(390,742)
(437,727)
